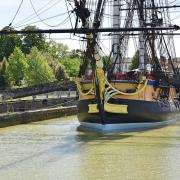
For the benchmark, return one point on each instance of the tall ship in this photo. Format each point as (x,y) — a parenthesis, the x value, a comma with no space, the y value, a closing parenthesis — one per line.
(112,96)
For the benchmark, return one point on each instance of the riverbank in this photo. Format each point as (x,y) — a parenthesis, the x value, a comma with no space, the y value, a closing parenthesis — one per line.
(23,105)
(10,119)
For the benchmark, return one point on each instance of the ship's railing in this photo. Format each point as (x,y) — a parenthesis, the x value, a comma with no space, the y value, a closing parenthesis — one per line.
(110,91)
(90,92)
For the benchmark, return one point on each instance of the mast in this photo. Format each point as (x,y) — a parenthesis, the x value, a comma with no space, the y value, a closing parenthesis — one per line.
(116,36)
(93,51)
(97,61)
(154,23)
(140,4)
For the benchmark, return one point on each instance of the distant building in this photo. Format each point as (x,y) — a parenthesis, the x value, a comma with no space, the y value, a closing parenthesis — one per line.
(177,62)
(166,64)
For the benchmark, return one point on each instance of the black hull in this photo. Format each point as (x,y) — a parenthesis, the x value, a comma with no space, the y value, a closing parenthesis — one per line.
(138,112)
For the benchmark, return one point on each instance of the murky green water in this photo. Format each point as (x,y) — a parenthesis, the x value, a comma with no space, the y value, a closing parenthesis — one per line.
(55,150)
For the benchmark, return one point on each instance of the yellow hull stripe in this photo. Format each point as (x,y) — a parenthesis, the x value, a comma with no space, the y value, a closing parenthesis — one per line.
(111,108)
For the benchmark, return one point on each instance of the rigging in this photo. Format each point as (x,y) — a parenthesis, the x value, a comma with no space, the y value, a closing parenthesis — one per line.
(41,10)
(34,9)
(16,13)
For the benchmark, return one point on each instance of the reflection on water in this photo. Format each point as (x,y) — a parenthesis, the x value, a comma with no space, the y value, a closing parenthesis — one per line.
(54,149)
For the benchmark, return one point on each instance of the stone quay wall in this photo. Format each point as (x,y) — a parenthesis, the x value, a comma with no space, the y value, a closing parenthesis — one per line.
(33,116)
(26,105)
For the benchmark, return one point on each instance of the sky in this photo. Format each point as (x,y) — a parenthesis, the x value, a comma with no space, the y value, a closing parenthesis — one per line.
(26,16)
(56,11)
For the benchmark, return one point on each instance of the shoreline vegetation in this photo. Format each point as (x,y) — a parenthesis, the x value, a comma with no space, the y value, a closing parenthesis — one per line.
(29,59)
(31,65)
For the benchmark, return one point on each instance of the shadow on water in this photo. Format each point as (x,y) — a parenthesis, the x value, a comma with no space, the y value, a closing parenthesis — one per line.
(87,134)
(87,137)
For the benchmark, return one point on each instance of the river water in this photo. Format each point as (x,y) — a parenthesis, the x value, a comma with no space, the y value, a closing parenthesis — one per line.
(55,150)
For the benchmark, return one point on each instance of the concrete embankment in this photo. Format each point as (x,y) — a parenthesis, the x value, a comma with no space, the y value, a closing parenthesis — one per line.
(38,115)
(31,105)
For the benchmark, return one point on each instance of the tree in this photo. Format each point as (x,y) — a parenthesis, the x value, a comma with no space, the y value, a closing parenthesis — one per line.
(8,43)
(54,53)
(107,63)
(71,65)
(3,66)
(60,73)
(76,53)
(56,50)
(16,68)
(38,71)
(31,40)
(135,61)
(51,62)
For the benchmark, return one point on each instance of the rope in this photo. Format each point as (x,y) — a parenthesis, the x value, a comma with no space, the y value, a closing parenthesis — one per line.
(16,13)
(33,15)
(41,20)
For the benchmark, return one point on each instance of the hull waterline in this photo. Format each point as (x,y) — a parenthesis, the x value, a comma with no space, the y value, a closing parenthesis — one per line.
(141,115)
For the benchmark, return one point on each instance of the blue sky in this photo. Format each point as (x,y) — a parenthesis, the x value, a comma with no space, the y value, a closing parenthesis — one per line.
(8,9)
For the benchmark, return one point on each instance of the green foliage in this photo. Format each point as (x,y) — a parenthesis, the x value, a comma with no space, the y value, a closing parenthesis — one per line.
(60,73)
(51,62)
(107,63)
(8,43)
(56,50)
(71,65)
(16,68)
(135,61)
(55,59)
(38,71)
(76,53)
(33,40)
(3,66)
